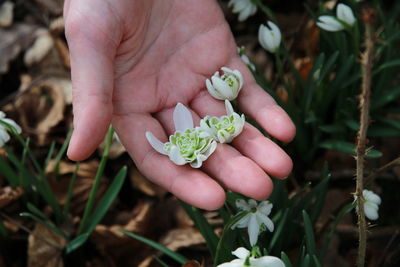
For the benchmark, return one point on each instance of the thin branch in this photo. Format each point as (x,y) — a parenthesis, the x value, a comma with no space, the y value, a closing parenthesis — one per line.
(364,104)
(371,177)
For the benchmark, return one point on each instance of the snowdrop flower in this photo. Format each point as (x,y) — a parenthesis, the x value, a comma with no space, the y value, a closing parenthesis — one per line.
(344,16)
(245,8)
(188,144)
(246,59)
(4,136)
(226,86)
(257,220)
(371,204)
(224,129)
(269,37)
(245,259)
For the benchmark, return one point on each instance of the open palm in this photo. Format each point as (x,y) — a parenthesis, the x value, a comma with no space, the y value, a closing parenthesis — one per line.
(133,61)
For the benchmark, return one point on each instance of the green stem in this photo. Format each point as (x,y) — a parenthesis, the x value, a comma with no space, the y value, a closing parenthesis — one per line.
(96,184)
(265,9)
(281,74)
(70,190)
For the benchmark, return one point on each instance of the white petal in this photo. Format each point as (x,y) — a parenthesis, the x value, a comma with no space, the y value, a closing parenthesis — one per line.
(227,71)
(228,108)
(345,14)
(239,76)
(276,34)
(243,222)
(261,218)
(223,88)
(210,149)
(176,156)
(253,230)
(2,114)
(196,164)
(241,253)
(182,118)
(371,196)
(234,263)
(242,204)
(262,36)
(267,261)
(371,212)
(155,143)
(13,124)
(245,13)
(265,207)
(252,203)
(212,91)
(329,23)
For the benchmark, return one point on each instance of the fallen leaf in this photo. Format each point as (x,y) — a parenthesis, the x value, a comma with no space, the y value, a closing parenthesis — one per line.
(180,238)
(192,264)
(40,48)
(9,194)
(144,185)
(6,14)
(41,108)
(45,248)
(14,40)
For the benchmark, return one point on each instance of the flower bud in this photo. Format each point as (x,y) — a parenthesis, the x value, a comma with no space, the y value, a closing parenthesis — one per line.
(226,86)
(269,37)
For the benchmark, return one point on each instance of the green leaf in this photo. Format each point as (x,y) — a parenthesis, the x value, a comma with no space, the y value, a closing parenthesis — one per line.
(9,173)
(226,242)
(173,255)
(316,261)
(3,229)
(308,228)
(76,243)
(285,259)
(332,129)
(386,65)
(51,227)
(204,227)
(385,98)
(348,148)
(106,200)
(279,230)
(306,261)
(37,212)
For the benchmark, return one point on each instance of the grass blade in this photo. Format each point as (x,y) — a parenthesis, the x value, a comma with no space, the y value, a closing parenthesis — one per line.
(309,233)
(172,254)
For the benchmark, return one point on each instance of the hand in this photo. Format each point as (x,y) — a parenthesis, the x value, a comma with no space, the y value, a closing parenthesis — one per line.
(132,61)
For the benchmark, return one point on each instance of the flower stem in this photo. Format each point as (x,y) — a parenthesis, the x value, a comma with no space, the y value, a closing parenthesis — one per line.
(265,9)
(364,103)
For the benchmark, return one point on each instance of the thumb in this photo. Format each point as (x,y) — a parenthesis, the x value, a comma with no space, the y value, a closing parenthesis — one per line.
(92,74)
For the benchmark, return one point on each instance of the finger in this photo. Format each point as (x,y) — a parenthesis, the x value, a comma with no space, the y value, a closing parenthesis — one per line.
(227,165)
(92,79)
(259,105)
(190,185)
(251,143)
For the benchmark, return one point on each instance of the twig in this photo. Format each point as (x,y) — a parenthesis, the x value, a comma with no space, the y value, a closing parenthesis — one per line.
(378,171)
(364,104)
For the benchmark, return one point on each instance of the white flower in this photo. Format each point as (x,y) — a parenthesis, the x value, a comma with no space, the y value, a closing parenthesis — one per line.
(371,204)
(224,129)
(246,59)
(245,8)
(4,136)
(257,220)
(226,86)
(269,37)
(246,260)
(188,144)
(344,16)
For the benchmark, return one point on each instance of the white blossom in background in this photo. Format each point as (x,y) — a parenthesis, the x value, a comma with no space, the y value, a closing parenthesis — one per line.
(188,144)
(244,259)
(257,220)
(223,129)
(4,135)
(371,204)
(344,16)
(226,86)
(245,8)
(270,37)
(246,59)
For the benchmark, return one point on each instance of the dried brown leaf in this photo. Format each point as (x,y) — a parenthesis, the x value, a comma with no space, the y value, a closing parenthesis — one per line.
(41,108)
(57,26)
(193,264)
(9,194)
(14,40)
(180,238)
(63,51)
(144,185)
(39,49)
(45,248)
